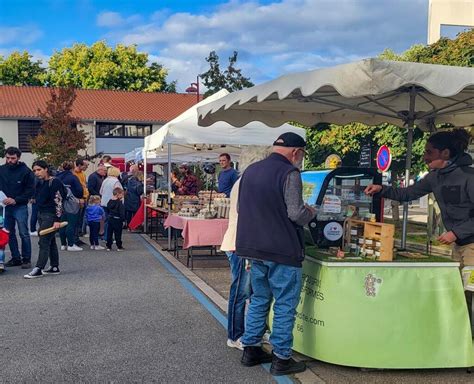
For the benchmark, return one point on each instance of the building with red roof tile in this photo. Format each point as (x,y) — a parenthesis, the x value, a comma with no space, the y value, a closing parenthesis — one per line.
(116,121)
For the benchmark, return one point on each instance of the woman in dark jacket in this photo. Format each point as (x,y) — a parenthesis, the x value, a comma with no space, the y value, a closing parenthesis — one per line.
(67,234)
(451,179)
(133,195)
(48,196)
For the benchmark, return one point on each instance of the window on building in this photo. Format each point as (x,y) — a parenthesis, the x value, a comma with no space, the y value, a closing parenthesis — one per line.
(27,129)
(122,130)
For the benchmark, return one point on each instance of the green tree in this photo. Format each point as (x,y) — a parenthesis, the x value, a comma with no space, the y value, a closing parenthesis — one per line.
(231,78)
(20,69)
(59,138)
(347,140)
(458,51)
(102,67)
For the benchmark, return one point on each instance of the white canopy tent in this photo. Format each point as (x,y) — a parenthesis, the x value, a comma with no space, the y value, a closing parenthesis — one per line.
(137,155)
(132,155)
(187,138)
(182,139)
(369,91)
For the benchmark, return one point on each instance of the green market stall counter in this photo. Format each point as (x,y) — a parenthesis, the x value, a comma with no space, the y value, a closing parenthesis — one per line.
(400,314)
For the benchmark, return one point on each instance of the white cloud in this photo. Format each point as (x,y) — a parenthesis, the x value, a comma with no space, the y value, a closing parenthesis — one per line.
(279,37)
(109,19)
(115,20)
(20,35)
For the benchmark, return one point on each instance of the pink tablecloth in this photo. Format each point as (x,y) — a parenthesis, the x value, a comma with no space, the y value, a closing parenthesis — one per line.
(199,232)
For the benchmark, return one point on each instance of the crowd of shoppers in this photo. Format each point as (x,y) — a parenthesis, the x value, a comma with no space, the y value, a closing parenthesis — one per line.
(99,198)
(265,260)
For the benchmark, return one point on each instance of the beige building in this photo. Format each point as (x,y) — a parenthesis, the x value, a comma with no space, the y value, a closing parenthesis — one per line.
(448,12)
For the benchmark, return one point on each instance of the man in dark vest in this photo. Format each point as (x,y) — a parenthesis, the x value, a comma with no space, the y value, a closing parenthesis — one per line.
(270,233)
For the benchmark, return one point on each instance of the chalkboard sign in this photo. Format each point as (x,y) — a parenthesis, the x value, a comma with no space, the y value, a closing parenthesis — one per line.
(365,160)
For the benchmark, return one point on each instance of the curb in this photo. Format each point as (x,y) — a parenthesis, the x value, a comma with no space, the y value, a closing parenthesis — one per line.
(305,377)
(205,288)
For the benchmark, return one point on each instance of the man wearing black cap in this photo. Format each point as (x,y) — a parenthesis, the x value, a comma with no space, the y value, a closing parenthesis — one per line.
(270,233)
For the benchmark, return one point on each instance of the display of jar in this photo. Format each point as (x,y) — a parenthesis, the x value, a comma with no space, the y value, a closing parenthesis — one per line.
(353,247)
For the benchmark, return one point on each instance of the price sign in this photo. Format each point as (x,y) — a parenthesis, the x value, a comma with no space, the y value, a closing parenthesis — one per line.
(384,158)
(365,159)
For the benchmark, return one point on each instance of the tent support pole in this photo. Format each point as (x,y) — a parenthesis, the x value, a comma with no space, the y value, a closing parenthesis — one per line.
(411,126)
(169,194)
(145,222)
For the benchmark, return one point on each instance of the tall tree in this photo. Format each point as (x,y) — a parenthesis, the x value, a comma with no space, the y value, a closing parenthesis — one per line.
(102,67)
(348,140)
(59,138)
(231,78)
(20,69)
(458,51)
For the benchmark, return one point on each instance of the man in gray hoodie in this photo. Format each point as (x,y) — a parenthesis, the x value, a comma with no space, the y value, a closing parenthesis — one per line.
(451,179)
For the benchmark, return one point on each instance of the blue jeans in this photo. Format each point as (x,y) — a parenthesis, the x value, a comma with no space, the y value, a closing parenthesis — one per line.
(2,255)
(239,292)
(94,228)
(273,281)
(18,215)
(67,233)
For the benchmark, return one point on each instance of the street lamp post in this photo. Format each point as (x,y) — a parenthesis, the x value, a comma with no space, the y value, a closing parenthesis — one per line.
(194,88)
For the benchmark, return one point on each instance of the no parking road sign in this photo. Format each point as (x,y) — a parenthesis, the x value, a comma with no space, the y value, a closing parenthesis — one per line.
(384,158)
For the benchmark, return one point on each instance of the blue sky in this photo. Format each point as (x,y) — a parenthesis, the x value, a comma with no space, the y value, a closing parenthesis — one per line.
(272,37)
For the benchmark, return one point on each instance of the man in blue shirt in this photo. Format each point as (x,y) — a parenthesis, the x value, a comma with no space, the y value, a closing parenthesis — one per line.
(228,175)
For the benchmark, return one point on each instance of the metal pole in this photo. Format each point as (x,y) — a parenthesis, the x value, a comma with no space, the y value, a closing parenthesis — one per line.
(197,89)
(411,125)
(145,223)
(169,194)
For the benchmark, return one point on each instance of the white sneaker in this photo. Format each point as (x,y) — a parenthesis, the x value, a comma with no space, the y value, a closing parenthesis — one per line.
(2,267)
(93,247)
(63,247)
(35,233)
(74,248)
(85,235)
(36,272)
(99,248)
(235,344)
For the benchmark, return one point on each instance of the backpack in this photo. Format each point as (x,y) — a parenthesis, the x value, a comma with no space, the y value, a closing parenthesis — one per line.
(70,202)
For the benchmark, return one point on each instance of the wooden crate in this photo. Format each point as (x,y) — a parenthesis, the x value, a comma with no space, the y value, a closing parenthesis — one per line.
(378,231)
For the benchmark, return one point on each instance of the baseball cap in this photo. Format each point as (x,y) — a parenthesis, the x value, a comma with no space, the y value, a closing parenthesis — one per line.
(290,139)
